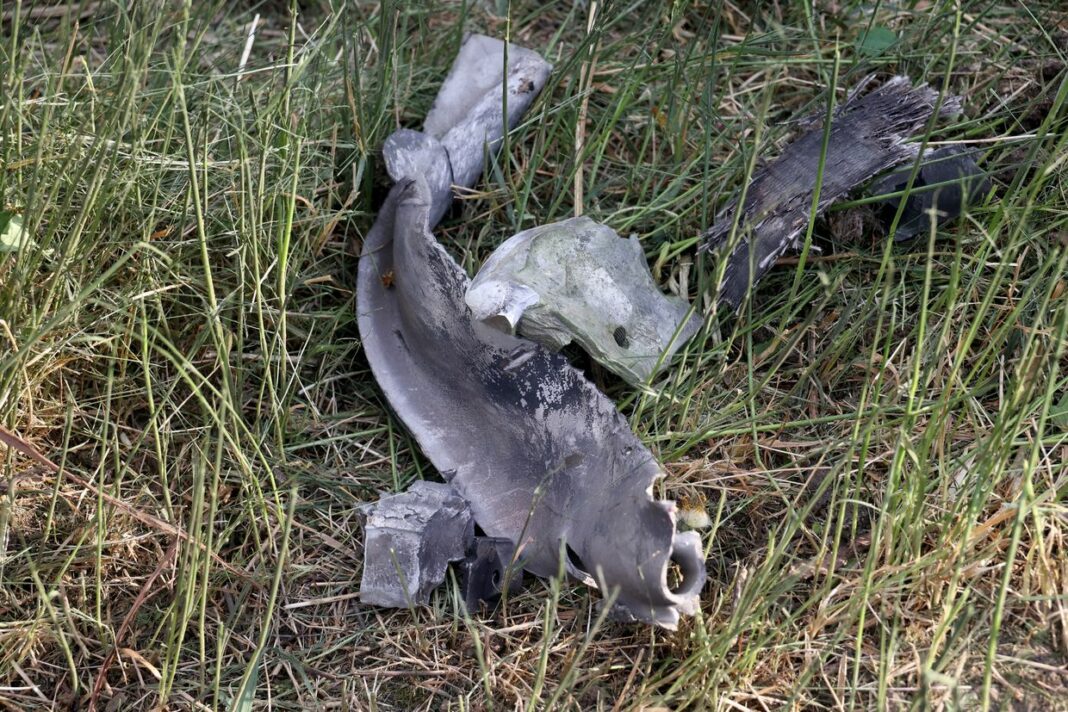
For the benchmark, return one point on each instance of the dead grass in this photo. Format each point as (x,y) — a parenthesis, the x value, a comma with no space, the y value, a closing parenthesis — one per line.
(190,424)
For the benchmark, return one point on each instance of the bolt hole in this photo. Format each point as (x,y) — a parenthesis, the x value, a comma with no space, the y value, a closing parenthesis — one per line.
(682,575)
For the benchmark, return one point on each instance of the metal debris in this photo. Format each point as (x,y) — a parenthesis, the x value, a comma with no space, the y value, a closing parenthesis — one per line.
(542,457)
(867,137)
(948,181)
(577,279)
(489,571)
(466,123)
(409,540)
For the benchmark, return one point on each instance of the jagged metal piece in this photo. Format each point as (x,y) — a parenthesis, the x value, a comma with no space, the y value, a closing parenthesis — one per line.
(488,571)
(867,137)
(409,540)
(948,181)
(577,279)
(466,121)
(542,457)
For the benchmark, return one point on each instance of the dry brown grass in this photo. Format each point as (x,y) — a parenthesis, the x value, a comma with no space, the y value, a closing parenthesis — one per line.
(883,457)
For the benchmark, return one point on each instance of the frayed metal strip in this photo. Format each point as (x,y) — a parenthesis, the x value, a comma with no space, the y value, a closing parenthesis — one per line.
(868,136)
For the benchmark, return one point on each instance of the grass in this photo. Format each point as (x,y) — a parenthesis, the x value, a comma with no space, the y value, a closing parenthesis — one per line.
(880,437)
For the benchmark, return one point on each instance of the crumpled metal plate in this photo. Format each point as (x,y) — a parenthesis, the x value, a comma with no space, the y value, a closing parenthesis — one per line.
(948,181)
(578,280)
(542,457)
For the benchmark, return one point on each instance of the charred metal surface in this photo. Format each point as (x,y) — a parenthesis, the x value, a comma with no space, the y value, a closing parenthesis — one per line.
(867,137)
(487,572)
(948,181)
(541,455)
(543,458)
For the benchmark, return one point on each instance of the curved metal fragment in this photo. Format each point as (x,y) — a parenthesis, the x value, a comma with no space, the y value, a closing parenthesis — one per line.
(577,279)
(541,455)
(466,120)
(487,572)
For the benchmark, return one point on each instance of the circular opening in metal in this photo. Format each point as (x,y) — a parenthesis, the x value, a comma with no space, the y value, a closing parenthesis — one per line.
(684,574)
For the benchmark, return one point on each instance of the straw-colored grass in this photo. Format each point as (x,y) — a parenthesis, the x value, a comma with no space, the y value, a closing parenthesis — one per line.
(189,422)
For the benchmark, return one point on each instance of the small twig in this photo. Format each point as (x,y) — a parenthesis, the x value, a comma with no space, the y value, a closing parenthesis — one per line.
(630,680)
(585,79)
(402,673)
(249,39)
(321,601)
(816,259)
(30,683)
